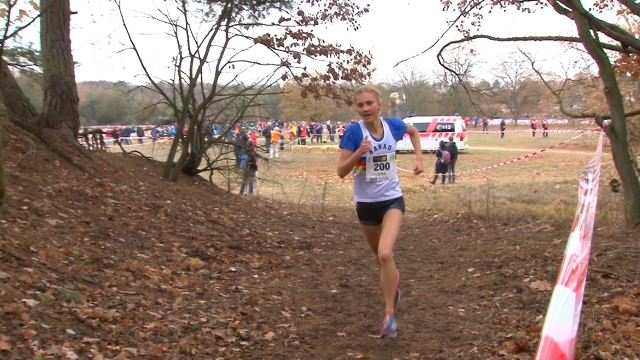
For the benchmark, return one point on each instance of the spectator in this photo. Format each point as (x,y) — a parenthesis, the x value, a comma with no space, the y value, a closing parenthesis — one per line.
(276,134)
(250,169)
(441,163)
(503,127)
(266,132)
(154,134)
(452,148)
(303,134)
(299,133)
(140,133)
(545,128)
(331,131)
(534,126)
(85,137)
(239,145)
(341,131)
(253,136)
(115,135)
(318,133)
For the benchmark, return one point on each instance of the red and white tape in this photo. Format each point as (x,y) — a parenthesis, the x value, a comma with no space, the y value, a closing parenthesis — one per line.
(525,130)
(560,330)
(519,158)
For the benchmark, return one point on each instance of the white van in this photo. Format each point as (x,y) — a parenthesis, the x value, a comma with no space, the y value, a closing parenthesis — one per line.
(432,129)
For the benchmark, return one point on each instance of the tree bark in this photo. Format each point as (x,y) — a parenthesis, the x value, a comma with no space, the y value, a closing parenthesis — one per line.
(60,108)
(617,130)
(3,115)
(17,103)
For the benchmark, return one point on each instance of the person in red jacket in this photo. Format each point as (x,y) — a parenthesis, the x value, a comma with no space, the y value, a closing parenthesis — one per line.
(534,126)
(545,128)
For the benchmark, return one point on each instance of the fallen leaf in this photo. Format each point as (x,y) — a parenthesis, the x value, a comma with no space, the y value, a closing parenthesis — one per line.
(270,335)
(542,285)
(196,264)
(533,329)
(285,314)
(626,305)
(96,355)
(4,346)
(53,350)
(27,333)
(30,302)
(132,351)
(608,325)
(341,334)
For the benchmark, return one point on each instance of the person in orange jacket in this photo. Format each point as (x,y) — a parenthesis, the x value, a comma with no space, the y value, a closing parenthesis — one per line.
(276,133)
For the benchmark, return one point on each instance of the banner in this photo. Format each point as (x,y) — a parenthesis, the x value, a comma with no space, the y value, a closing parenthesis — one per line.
(560,330)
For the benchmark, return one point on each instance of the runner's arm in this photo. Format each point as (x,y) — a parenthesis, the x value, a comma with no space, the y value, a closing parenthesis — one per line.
(415,141)
(347,161)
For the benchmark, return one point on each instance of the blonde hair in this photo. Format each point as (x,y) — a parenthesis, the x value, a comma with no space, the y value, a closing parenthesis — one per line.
(367,89)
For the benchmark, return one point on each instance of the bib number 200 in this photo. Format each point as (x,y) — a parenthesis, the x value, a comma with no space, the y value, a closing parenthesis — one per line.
(381,166)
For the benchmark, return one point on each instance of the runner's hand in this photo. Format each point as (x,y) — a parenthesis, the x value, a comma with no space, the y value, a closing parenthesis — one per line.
(365,145)
(418,168)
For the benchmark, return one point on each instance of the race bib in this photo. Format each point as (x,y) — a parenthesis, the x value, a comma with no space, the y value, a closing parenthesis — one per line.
(381,167)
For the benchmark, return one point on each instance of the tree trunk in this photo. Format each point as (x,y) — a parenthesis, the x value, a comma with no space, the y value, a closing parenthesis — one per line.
(3,115)
(168,166)
(196,148)
(60,107)
(17,103)
(617,130)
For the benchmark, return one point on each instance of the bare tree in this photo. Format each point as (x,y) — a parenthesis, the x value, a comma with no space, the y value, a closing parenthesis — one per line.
(516,88)
(455,87)
(420,93)
(206,89)
(601,40)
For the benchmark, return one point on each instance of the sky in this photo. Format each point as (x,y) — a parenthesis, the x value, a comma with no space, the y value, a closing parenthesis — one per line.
(391,31)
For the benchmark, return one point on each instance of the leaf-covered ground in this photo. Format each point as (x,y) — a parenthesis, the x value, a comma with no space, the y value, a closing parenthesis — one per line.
(120,264)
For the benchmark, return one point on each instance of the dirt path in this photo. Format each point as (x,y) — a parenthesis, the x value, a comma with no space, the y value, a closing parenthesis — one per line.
(465,291)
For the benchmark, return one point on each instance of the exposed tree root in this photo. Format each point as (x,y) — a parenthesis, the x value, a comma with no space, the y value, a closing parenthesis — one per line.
(37,132)
(133,152)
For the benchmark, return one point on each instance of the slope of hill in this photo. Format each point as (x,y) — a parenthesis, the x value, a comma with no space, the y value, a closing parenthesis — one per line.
(119,259)
(119,264)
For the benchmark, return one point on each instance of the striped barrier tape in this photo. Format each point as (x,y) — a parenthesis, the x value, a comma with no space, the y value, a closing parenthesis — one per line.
(524,130)
(134,141)
(560,330)
(519,158)
(159,141)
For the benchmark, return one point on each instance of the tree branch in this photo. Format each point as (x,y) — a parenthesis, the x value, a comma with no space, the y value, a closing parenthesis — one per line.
(600,118)
(469,7)
(632,6)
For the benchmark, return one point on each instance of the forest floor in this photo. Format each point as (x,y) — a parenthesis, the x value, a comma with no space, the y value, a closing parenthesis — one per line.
(119,264)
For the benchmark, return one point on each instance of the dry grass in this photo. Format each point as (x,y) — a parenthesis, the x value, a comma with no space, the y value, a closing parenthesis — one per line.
(543,188)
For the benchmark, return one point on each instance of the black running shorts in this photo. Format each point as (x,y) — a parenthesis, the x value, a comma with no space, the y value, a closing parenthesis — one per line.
(372,213)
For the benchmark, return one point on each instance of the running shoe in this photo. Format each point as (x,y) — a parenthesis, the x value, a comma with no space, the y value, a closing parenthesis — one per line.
(389,326)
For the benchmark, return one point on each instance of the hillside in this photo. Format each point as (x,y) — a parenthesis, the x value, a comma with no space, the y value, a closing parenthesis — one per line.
(119,264)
